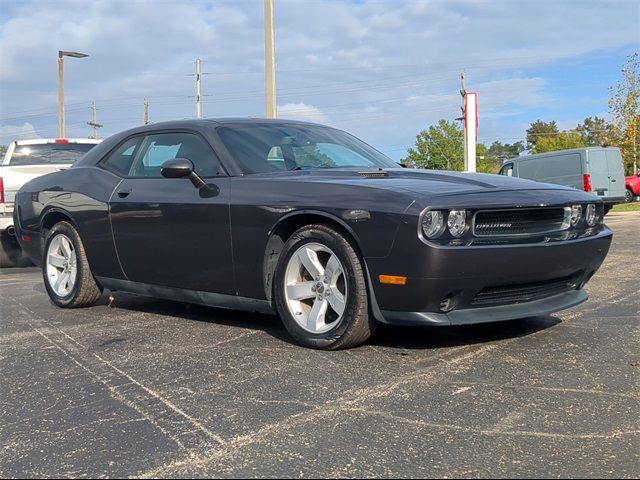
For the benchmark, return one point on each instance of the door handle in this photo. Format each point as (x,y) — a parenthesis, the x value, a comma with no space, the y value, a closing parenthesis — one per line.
(613,180)
(124,193)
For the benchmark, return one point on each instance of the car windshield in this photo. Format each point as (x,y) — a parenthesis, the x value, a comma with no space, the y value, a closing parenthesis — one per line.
(262,148)
(50,153)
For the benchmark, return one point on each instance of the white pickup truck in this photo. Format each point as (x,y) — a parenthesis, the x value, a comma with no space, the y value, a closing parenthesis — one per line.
(23,161)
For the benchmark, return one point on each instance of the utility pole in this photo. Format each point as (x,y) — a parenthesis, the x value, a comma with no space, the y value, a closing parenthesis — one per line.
(94,121)
(269,61)
(198,96)
(146,112)
(470,120)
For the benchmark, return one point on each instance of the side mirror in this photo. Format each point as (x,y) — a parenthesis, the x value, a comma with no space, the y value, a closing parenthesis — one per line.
(179,168)
(176,168)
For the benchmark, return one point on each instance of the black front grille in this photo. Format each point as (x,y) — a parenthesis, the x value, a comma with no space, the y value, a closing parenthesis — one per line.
(527,292)
(524,221)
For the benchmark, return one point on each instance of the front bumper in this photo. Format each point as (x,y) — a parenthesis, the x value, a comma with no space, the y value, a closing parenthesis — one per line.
(497,313)
(462,274)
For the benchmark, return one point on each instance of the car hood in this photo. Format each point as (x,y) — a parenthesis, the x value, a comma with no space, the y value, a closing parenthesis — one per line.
(419,182)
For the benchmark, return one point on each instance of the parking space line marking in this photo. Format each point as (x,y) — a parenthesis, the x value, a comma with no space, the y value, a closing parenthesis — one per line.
(171,427)
(483,431)
(542,389)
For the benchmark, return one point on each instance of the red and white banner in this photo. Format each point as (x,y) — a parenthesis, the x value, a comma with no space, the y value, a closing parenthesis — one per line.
(470,130)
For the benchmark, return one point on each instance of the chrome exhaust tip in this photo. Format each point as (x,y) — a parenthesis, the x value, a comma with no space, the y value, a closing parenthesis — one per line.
(11,231)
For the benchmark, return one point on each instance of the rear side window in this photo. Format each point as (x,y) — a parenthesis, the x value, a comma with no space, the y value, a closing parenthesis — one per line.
(50,153)
(120,161)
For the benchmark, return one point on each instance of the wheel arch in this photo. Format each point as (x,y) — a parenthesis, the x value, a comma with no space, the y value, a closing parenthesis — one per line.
(53,216)
(286,227)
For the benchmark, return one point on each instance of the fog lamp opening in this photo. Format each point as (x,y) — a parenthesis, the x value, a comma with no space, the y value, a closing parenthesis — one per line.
(447,304)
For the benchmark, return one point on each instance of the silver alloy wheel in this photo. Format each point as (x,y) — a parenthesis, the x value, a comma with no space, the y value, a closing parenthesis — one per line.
(62,265)
(315,288)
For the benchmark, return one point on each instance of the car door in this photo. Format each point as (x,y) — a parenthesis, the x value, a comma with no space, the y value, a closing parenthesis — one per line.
(599,172)
(616,172)
(166,231)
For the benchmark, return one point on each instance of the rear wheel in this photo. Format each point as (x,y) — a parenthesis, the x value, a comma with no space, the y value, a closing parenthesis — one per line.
(320,290)
(67,276)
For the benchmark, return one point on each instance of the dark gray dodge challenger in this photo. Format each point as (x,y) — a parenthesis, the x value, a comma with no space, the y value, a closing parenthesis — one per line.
(309,222)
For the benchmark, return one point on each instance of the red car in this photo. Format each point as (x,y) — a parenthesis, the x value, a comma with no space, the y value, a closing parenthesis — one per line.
(632,185)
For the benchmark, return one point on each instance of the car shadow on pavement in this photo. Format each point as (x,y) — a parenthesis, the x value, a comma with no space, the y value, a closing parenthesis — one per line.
(422,337)
(433,337)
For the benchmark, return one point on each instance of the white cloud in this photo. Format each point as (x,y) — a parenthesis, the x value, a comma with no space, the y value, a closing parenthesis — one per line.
(302,111)
(9,133)
(383,70)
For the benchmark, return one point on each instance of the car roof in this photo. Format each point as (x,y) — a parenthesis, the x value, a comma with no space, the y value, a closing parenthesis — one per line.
(216,122)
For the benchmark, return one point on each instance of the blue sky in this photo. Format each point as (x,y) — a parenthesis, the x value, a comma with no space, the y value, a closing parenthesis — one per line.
(381,69)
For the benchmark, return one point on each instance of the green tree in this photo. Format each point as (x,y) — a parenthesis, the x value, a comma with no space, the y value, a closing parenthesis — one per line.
(3,150)
(561,141)
(596,132)
(504,151)
(490,158)
(538,130)
(486,163)
(624,107)
(439,147)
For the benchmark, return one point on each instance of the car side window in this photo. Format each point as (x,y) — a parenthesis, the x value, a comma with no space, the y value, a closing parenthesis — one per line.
(507,170)
(120,161)
(160,147)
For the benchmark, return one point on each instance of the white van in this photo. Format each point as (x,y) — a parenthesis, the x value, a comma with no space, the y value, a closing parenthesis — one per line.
(593,169)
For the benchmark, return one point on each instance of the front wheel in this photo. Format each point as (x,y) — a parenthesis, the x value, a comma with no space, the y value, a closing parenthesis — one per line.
(628,196)
(320,290)
(65,268)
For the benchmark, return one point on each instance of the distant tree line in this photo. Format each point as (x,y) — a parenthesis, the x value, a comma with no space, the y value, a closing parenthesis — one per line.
(440,146)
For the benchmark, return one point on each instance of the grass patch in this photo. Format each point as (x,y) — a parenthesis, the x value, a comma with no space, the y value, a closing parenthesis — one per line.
(627,207)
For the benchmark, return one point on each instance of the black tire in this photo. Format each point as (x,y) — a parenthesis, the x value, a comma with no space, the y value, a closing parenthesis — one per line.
(85,292)
(356,325)
(628,196)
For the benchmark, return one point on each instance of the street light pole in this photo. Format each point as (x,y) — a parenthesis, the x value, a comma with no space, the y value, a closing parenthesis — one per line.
(61,54)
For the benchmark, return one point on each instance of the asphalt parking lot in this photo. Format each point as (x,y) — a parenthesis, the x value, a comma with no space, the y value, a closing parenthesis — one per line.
(156,388)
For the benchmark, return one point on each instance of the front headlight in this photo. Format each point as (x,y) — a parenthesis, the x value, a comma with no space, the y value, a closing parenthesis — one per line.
(591,216)
(432,223)
(576,214)
(457,222)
